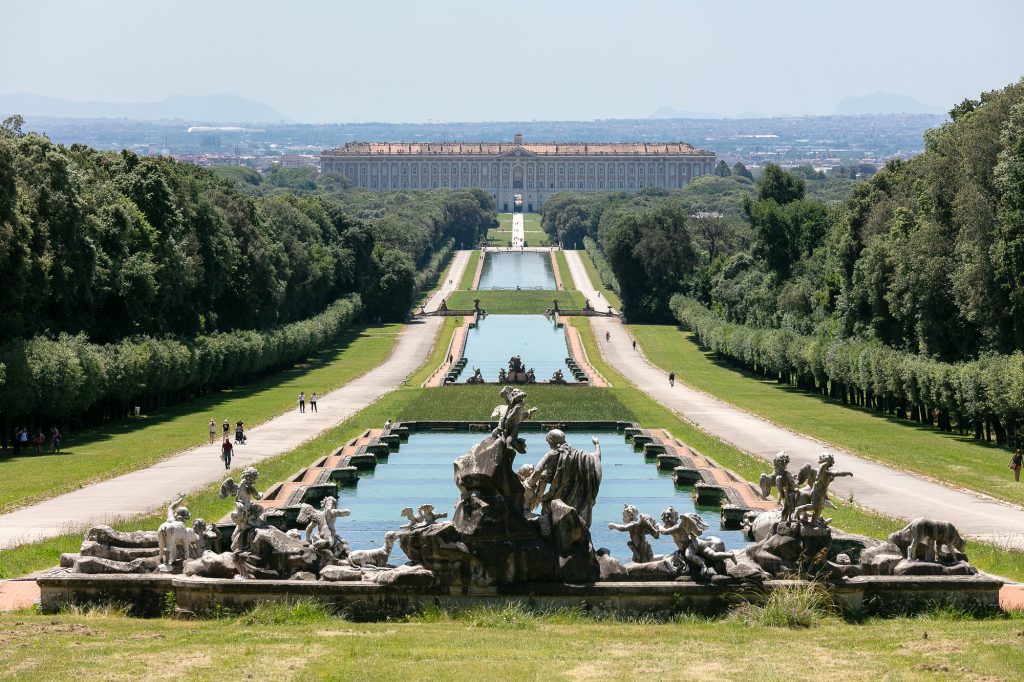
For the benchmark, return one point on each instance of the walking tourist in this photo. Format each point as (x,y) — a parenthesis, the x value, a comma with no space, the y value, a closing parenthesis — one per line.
(55,439)
(634,344)
(40,439)
(451,358)
(312,402)
(17,441)
(607,336)
(672,379)
(302,401)
(239,432)
(213,430)
(24,440)
(225,453)
(225,429)
(1016,462)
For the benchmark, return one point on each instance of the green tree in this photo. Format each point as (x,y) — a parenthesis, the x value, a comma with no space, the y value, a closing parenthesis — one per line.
(722,169)
(739,169)
(779,186)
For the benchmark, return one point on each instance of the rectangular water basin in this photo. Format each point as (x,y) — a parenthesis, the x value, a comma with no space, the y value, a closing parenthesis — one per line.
(422,474)
(517,269)
(535,338)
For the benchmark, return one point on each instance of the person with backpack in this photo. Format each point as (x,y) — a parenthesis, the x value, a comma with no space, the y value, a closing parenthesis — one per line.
(1016,463)
(672,379)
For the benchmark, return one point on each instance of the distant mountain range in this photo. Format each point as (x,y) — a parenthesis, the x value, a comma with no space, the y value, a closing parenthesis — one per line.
(222,108)
(884,103)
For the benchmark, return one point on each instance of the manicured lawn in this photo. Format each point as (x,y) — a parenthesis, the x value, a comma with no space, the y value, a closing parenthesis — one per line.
(553,403)
(958,460)
(501,235)
(305,643)
(437,355)
(595,281)
(469,274)
(132,443)
(563,271)
(526,302)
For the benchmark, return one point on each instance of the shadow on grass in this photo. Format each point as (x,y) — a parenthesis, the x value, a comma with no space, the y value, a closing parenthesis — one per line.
(826,400)
(210,402)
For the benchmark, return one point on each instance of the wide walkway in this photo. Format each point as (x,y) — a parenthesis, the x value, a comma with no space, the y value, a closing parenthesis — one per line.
(147,489)
(518,231)
(875,486)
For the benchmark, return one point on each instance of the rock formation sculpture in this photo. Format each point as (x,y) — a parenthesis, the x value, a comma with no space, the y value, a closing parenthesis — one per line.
(568,475)
(322,522)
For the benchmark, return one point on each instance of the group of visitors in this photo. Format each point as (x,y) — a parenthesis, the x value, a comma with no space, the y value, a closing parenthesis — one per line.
(302,401)
(24,440)
(227,449)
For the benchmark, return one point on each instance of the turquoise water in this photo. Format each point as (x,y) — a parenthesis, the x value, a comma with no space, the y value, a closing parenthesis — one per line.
(421,473)
(523,269)
(534,338)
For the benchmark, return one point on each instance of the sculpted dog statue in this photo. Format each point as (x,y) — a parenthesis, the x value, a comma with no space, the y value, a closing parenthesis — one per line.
(932,534)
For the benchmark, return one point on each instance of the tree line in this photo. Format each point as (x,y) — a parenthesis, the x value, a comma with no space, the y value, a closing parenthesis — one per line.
(128,278)
(982,397)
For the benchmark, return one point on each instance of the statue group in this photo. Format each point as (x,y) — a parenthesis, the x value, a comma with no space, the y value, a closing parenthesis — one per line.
(526,525)
(516,373)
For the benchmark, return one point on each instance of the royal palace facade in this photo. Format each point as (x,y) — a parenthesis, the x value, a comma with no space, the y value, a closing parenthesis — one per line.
(535,171)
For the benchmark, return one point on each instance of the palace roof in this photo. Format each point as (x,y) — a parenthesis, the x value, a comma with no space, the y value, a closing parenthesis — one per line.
(500,148)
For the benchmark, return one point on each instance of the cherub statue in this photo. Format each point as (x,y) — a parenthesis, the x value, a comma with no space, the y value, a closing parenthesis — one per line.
(557,377)
(248,516)
(174,538)
(510,416)
(206,535)
(811,510)
(781,479)
(477,378)
(531,378)
(424,517)
(692,550)
(639,526)
(530,499)
(323,522)
(502,375)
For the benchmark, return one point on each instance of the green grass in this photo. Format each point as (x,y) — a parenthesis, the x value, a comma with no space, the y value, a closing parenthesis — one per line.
(437,355)
(526,302)
(563,271)
(469,274)
(959,460)
(553,403)
(595,281)
(500,643)
(502,235)
(136,442)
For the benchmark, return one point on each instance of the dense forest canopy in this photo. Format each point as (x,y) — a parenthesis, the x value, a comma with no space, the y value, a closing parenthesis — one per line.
(141,280)
(925,256)
(113,245)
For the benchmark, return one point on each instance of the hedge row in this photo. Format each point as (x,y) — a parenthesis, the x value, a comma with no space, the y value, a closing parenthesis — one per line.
(984,397)
(426,277)
(604,270)
(67,375)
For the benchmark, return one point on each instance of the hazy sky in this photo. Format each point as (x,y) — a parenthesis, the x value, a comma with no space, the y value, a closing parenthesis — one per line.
(520,60)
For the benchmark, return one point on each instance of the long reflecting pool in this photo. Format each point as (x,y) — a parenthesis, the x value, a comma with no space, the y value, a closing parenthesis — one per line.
(523,269)
(534,338)
(421,473)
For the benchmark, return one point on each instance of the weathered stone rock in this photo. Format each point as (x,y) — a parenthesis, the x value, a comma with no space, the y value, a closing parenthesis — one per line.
(880,559)
(91,564)
(105,535)
(278,551)
(844,570)
(746,571)
(68,559)
(407,575)
(302,575)
(915,567)
(96,549)
(211,565)
(658,570)
(570,540)
(794,549)
(341,574)
(610,567)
